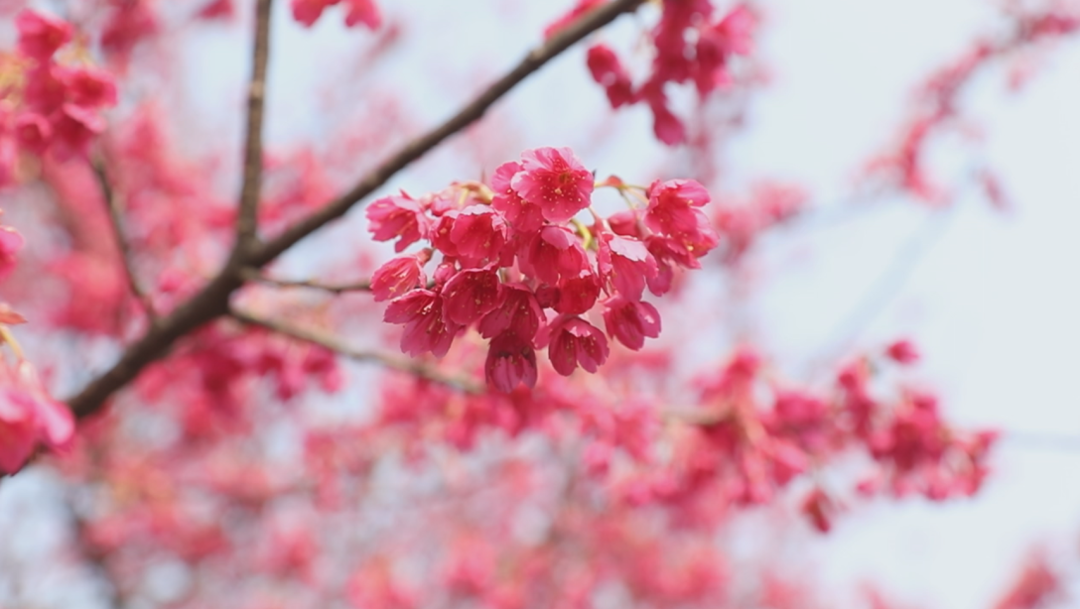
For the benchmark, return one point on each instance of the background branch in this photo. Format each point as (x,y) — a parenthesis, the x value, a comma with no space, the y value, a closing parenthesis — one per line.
(116,220)
(247,216)
(404,364)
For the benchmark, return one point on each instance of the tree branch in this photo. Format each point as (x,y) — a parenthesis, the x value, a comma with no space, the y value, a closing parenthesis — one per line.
(213,300)
(116,220)
(247,215)
(419,369)
(424,144)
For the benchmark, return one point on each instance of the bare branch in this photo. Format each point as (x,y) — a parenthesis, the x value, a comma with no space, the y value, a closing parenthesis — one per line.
(116,220)
(213,300)
(247,216)
(404,364)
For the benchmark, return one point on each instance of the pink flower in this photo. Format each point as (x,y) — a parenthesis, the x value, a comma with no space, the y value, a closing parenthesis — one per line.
(477,234)
(307,12)
(511,360)
(578,294)
(397,217)
(130,22)
(89,87)
(10,243)
(366,12)
(218,9)
(524,216)
(471,294)
(572,342)
(555,180)
(397,277)
(40,35)
(736,30)
(44,91)
(426,330)
(626,223)
(625,263)
(32,132)
(518,312)
(667,127)
(552,253)
(608,72)
(73,129)
(671,206)
(363,11)
(903,352)
(28,416)
(631,321)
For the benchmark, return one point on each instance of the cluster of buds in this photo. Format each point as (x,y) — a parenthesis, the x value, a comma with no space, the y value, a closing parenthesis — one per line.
(47,106)
(513,249)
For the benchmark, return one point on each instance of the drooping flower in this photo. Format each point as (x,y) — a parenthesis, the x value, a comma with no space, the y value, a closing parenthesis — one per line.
(572,342)
(32,132)
(471,294)
(553,253)
(478,234)
(28,417)
(577,294)
(73,129)
(397,217)
(903,352)
(511,360)
(426,329)
(671,206)
(10,243)
(524,216)
(89,87)
(40,35)
(364,12)
(608,72)
(631,321)
(308,12)
(518,312)
(626,264)
(556,181)
(397,277)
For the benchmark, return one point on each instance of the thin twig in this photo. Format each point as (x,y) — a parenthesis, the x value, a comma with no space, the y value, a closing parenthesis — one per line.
(116,220)
(891,281)
(334,288)
(404,364)
(213,300)
(247,216)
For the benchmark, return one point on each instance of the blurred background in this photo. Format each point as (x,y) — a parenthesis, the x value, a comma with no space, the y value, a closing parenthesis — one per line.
(988,290)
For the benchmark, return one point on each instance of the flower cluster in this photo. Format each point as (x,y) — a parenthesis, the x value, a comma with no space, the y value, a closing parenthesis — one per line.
(753,438)
(514,249)
(366,12)
(692,46)
(46,106)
